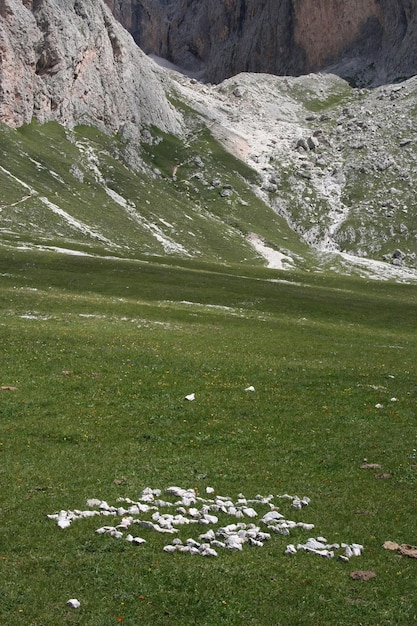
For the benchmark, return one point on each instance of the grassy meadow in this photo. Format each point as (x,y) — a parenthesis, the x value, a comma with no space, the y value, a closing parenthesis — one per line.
(99,355)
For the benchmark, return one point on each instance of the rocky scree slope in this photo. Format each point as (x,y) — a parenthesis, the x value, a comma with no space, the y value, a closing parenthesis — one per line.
(366,41)
(339,163)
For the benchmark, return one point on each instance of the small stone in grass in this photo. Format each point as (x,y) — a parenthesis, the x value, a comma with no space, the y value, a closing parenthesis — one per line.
(74,603)
(190,397)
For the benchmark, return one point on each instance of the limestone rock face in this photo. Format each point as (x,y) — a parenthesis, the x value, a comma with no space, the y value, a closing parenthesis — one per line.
(368,41)
(73,62)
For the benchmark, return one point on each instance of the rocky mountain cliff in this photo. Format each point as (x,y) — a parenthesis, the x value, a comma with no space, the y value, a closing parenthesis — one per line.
(74,63)
(366,41)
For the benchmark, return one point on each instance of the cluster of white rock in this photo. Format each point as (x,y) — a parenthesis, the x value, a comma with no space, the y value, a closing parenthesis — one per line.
(191,509)
(321,547)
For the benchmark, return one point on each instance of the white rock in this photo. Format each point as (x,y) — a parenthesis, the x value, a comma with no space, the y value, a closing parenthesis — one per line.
(209,490)
(271,516)
(170,548)
(64,523)
(208,552)
(218,544)
(290,549)
(138,540)
(183,548)
(255,542)
(280,529)
(190,397)
(208,536)
(305,526)
(263,536)
(125,523)
(357,549)
(85,514)
(193,543)
(250,388)
(316,544)
(234,542)
(103,530)
(92,502)
(177,542)
(74,603)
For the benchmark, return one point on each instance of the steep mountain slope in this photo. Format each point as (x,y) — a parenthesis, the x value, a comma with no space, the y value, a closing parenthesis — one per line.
(73,190)
(72,62)
(337,162)
(367,41)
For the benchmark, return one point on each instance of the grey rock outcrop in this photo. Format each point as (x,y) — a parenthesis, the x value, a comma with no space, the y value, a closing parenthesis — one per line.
(74,63)
(366,41)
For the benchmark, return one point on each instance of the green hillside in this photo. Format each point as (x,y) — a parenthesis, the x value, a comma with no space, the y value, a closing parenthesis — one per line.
(83,190)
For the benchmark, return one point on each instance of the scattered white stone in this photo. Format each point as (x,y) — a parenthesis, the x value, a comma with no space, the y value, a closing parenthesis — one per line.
(394,399)
(208,536)
(192,509)
(250,512)
(169,548)
(190,397)
(357,549)
(208,552)
(271,517)
(250,388)
(234,542)
(138,540)
(74,603)
(379,406)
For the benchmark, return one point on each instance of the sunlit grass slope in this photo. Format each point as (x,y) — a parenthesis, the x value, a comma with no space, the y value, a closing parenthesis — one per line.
(85,190)
(101,354)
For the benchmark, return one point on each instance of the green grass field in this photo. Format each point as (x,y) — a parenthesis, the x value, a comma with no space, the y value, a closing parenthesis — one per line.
(101,354)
